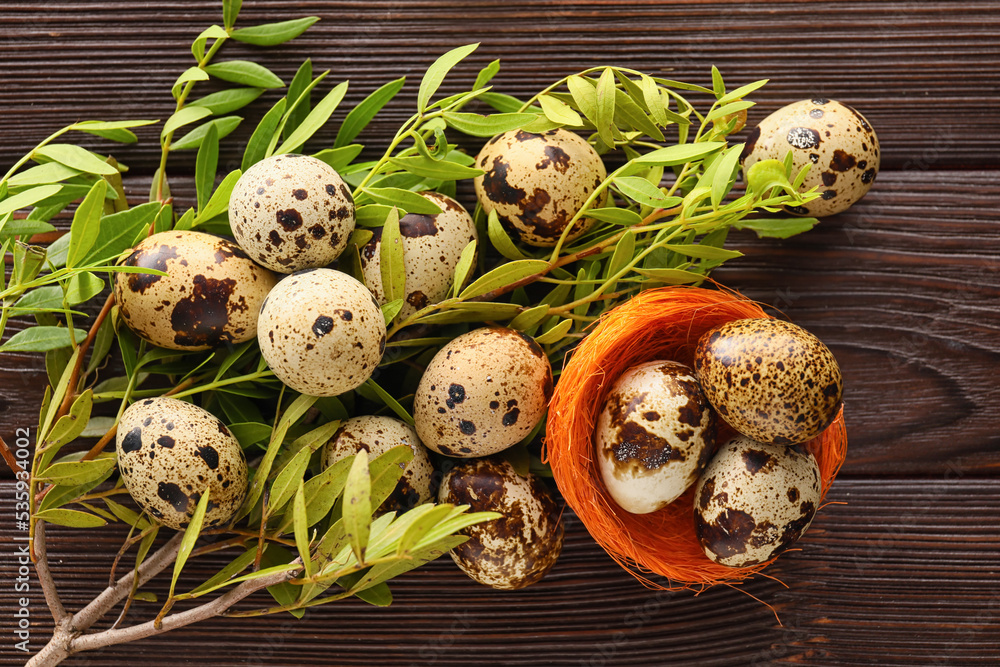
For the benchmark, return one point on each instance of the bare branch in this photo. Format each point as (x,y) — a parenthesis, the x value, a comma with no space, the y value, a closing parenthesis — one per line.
(45,576)
(174,621)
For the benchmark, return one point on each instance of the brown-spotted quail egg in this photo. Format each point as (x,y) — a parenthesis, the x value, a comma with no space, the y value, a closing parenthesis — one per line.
(170,452)
(210,295)
(321,332)
(654,435)
(291,212)
(482,392)
(537,182)
(520,547)
(770,380)
(754,501)
(833,138)
(377,435)
(432,245)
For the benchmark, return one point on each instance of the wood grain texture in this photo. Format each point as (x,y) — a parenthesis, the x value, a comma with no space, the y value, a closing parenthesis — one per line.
(920,72)
(905,573)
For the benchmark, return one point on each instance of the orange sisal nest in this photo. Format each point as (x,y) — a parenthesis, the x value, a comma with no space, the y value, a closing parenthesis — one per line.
(657,324)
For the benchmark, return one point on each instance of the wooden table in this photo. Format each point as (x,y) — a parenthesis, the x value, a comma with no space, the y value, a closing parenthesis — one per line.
(905,288)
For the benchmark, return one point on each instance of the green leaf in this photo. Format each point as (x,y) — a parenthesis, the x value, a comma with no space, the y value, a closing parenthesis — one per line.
(486,75)
(585,95)
(385,472)
(441,170)
(605,106)
(500,239)
(186,116)
(206,165)
(530,318)
(126,515)
(777,228)
(315,120)
(198,45)
(391,309)
(86,225)
(616,216)
(642,191)
(25,227)
(726,166)
(338,158)
(260,139)
(71,518)
(680,154)
(487,126)
(83,287)
(463,269)
(726,109)
(359,117)
(556,333)
(301,523)
(187,76)
(49,296)
(75,157)
(28,198)
(227,101)
(624,251)
(473,312)
(409,201)
(288,480)
(718,87)
(272,34)
(389,401)
(77,472)
(627,112)
(672,276)
(230,10)
(112,131)
(219,202)
(436,73)
(391,268)
(223,576)
(224,126)
(766,174)
(742,92)
(323,490)
(300,90)
(503,275)
(41,339)
(703,251)
(191,534)
(244,72)
(250,433)
(357,505)
(118,231)
(71,425)
(559,112)
(378,595)
(656,101)
(43,174)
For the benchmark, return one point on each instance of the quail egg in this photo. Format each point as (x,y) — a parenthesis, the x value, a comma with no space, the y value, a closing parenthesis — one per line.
(832,137)
(482,392)
(432,245)
(210,295)
(321,332)
(537,182)
(771,380)
(519,548)
(654,435)
(754,501)
(377,435)
(291,212)
(170,451)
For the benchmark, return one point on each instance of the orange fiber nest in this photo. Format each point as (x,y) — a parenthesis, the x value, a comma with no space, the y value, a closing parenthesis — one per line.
(661,323)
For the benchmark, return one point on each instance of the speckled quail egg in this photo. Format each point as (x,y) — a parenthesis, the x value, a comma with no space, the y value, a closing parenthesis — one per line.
(537,182)
(291,212)
(519,548)
(377,435)
(211,295)
(754,501)
(482,392)
(832,137)
(654,435)
(170,451)
(432,245)
(771,380)
(321,332)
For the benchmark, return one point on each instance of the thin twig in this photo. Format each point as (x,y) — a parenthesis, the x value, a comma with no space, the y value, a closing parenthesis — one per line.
(178,620)
(45,579)
(8,457)
(74,377)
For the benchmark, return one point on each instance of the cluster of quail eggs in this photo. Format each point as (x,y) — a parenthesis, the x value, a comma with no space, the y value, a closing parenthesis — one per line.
(776,385)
